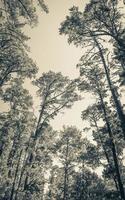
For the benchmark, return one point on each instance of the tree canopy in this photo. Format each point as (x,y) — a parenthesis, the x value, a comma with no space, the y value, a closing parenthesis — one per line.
(73,163)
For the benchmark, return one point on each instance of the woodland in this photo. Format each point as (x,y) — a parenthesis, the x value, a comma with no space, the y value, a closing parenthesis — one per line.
(36,161)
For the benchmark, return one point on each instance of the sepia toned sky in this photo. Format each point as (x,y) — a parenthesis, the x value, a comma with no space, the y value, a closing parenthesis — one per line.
(48,48)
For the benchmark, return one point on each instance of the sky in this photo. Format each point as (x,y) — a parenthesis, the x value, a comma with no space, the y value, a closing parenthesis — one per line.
(51,51)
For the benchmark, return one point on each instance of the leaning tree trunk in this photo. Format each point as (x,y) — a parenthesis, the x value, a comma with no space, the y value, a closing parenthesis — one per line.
(113,148)
(15,177)
(117,102)
(105,153)
(65,193)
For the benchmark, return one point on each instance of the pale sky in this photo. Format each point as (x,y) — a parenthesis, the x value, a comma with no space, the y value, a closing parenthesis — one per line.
(51,51)
(48,48)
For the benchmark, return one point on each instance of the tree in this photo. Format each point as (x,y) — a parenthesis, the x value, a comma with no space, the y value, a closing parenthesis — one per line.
(97,87)
(92,78)
(37,179)
(81,34)
(14,58)
(93,115)
(16,128)
(56,93)
(18,11)
(71,152)
(88,186)
(106,20)
(18,122)
(68,149)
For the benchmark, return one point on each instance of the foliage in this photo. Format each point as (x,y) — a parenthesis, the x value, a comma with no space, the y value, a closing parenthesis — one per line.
(37,162)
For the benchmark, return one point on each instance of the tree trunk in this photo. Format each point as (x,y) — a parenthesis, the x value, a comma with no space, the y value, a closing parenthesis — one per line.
(105,153)
(14,181)
(117,102)
(115,159)
(21,174)
(65,193)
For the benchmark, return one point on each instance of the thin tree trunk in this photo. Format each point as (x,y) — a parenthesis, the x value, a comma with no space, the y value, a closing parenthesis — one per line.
(14,148)
(14,181)
(83,193)
(65,193)
(112,89)
(115,159)
(105,152)
(22,171)
(50,186)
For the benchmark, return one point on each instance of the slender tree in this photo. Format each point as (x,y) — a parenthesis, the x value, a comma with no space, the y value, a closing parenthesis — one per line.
(56,93)
(81,34)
